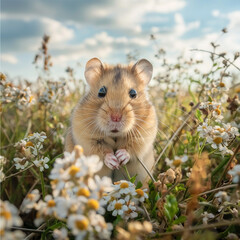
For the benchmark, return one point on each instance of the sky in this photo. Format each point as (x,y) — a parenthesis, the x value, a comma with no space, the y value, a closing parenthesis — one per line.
(110,29)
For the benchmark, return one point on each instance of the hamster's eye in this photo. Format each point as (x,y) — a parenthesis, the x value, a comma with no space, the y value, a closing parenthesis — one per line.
(133,93)
(102,92)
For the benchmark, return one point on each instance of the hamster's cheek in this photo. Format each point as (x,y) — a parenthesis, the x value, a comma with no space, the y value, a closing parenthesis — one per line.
(128,118)
(102,121)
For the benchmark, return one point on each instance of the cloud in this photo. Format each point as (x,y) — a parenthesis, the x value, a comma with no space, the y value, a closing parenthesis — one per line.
(9,58)
(216,13)
(101,45)
(25,35)
(110,14)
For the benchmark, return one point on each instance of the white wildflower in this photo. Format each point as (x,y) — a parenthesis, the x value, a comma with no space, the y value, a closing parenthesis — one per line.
(206,217)
(60,234)
(124,187)
(9,216)
(2,175)
(222,196)
(176,162)
(140,194)
(118,207)
(30,200)
(20,163)
(79,225)
(42,163)
(204,129)
(235,172)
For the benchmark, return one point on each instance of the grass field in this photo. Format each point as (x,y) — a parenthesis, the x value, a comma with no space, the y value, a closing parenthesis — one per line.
(194,191)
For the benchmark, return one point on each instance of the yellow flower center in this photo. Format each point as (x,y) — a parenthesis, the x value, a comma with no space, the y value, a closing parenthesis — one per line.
(83,192)
(74,170)
(51,203)
(140,192)
(117,183)
(30,99)
(30,196)
(82,224)
(124,185)
(93,204)
(218,140)
(221,84)
(54,182)
(128,211)
(177,162)
(218,111)
(28,144)
(7,215)
(118,206)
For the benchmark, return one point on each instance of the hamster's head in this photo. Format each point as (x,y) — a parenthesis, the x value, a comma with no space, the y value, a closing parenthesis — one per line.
(117,95)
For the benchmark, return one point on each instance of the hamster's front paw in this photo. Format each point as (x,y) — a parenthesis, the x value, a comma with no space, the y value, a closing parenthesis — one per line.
(122,156)
(111,161)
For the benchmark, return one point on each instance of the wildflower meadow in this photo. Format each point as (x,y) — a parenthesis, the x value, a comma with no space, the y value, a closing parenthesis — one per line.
(192,193)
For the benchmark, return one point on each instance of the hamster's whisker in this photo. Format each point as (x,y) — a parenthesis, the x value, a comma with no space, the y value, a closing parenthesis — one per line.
(126,105)
(147,133)
(139,134)
(103,110)
(107,102)
(160,131)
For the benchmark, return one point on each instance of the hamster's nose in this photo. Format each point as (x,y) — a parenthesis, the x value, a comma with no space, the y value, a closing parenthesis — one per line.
(116,117)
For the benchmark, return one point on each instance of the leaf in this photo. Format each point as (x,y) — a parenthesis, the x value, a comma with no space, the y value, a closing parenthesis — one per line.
(181,219)
(133,179)
(117,220)
(170,207)
(139,185)
(198,115)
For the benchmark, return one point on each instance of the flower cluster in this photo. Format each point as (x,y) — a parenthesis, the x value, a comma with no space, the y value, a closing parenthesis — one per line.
(51,94)
(124,199)
(28,150)
(76,196)
(216,89)
(214,108)
(9,218)
(12,94)
(218,137)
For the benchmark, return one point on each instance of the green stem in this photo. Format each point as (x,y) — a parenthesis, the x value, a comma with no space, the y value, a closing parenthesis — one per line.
(42,185)
(128,175)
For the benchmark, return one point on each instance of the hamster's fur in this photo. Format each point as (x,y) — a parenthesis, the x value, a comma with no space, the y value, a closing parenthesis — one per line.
(118,127)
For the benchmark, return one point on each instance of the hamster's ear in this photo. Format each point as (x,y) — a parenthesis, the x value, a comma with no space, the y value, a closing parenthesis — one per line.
(144,69)
(93,70)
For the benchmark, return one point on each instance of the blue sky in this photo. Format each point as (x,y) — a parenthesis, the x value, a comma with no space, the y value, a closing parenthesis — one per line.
(109,29)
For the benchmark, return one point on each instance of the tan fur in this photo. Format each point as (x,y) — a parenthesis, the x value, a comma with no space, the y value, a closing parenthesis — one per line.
(90,120)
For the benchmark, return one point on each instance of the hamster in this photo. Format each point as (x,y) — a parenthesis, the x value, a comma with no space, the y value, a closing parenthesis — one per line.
(115,119)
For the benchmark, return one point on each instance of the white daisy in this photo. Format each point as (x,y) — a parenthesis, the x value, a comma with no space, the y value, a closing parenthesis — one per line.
(235,172)
(30,201)
(140,195)
(9,215)
(79,225)
(118,207)
(178,161)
